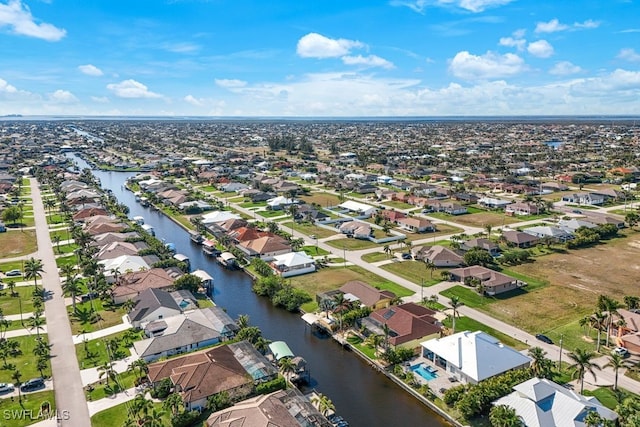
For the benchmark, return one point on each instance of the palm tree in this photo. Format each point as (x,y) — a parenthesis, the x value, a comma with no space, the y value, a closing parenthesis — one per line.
(429,265)
(583,363)
(243,321)
(593,419)
(173,403)
(67,270)
(610,307)
(454,303)
(141,366)
(32,269)
(504,416)
(4,326)
(139,408)
(374,342)
(597,320)
(540,365)
(106,370)
(616,361)
(323,403)
(72,286)
(387,332)
(286,366)
(488,228)
(56,240)
(387,250)
(17,376)
(36,322)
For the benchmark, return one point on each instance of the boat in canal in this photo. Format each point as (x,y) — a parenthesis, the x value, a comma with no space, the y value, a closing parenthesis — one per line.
(228,260)
(196,237)
(209,248)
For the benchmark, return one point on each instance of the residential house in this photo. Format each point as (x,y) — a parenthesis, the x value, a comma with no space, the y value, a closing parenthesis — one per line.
(492,281)
(103,239)
(471,357)
(218,216)
(365,188)
(520,239)
(153,304)
(130,284)
(541,402)
(233,369)
(233,187)
(367,295)
(439,256)
(266,247)
(589,199)
(554,186)
(493,203)
(465,198)
(293,264)
(522,208)
(357,229)
(125,263)
(600,219)
(280,202)
(284,408)
(416,225)
(88,212)
(482,243)
(358,208)
(117,249)
(571,225)
(184,333)
(392,215)
(549,232)
(408,324)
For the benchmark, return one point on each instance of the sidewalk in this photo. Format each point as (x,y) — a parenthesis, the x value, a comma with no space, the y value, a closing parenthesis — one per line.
(80,338)
(91,375)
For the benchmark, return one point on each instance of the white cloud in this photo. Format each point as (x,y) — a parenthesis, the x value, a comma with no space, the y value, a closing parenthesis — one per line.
(181,47)
(100,99)
(18,18)
(62,97)
(629,54)
(540,48)
(5,87)
(314,45)
(555,26)
(564,68)
(131,89)
(486,67)
(468,5)
(513,42)
(230,83)
(193,101)
(368,61)
(90,70)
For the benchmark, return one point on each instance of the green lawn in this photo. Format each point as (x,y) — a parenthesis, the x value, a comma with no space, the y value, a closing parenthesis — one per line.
(358,343)
(12,305)
(117,416)
(55,218)
(606,396)
(314,251)
(252,204)
(65,249)
(270,214)
(352,244)
(82,320)
(468,296)
(397,205)
(375,257)
(31,403)
(63,234)
(308,228)
(415,271)
(100,390)
(66,260)
(468,324)
(94,353)
(25,362)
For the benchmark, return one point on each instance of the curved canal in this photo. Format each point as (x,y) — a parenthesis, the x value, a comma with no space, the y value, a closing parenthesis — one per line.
(361,395)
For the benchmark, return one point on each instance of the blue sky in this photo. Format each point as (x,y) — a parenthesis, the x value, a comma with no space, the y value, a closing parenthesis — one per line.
(320,57)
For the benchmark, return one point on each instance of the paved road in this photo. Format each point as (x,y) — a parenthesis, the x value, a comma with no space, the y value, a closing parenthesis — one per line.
(68,389)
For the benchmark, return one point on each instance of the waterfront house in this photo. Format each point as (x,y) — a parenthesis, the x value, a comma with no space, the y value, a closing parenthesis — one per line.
(366,294)
(493,282)
(409,324)
(265,247)
(122,264)
(284,408)
(116,249)
(293,264)
(471,357)
(130,284)
(541,402)
(153,304)
(183,333)
(233,369)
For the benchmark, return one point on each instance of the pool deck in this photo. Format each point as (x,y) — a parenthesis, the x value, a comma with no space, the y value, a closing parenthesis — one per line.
(441,382)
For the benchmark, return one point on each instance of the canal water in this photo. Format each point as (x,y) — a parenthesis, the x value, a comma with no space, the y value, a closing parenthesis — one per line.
(364,397)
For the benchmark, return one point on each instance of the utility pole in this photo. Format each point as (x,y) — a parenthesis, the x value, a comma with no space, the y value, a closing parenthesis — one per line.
(560,357)
(422,289)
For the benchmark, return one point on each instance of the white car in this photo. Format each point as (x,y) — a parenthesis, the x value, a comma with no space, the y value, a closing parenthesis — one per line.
(621,351)
(6,387)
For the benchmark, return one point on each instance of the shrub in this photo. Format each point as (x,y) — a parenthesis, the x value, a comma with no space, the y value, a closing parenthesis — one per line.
(162,389)
(271,386)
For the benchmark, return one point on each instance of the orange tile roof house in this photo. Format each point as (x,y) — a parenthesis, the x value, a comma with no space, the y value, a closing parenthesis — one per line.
(232,368)
(130,285)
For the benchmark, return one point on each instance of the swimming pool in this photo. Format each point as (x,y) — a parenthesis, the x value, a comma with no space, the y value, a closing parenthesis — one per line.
(424,371)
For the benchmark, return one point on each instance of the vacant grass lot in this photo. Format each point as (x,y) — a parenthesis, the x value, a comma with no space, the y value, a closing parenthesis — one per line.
(375,257)
(16,243)
(11,304)
(442,230)
(322,199)
(415,271)
(479,219)
(308,228)
(327,279)
(352,244)
(468,324)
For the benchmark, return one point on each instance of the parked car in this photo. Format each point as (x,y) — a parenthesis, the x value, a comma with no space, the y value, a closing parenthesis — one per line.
(6,387)
(406,255)
(544,338)
(621,351)
(33,384)
(13,273)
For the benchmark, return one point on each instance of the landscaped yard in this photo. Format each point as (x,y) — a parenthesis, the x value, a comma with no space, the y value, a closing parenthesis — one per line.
(327,279)
(29,410)
(117,415)
(16,243)
(26,361)
(94,353)
(83,321)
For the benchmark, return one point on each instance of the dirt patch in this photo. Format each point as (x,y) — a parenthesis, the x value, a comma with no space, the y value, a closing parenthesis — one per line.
(16,243)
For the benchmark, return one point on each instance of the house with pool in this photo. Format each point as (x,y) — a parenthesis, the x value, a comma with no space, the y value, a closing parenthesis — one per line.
(471,357)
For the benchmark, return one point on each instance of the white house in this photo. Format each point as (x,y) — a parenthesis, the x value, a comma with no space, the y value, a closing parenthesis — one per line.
(540,402)
(471,357)
(280,202)
(360,208)
(293,264)
(218,216)
(554,233)
(122,264)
